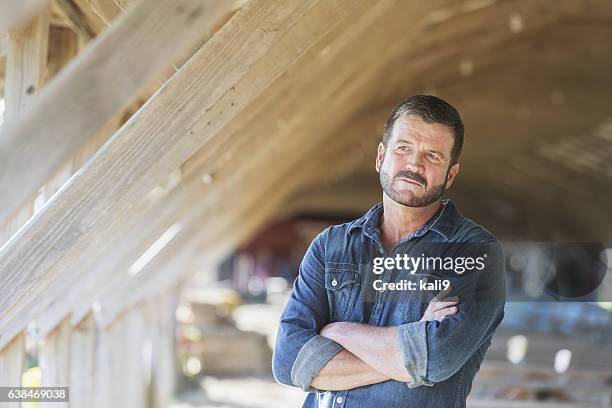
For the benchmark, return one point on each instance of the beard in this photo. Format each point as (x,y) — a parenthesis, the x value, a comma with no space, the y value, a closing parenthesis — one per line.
(427,198)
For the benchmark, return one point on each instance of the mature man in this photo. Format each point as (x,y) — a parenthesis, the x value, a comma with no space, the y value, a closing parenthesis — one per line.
(352,344)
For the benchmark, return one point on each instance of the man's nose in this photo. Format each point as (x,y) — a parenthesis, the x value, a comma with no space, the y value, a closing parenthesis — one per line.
(415,162)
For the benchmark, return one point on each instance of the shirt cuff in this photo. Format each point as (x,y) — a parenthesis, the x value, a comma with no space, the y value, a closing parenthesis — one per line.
(312,357)
(413,345)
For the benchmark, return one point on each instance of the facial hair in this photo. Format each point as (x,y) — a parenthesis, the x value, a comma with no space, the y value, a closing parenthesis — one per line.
(427,198)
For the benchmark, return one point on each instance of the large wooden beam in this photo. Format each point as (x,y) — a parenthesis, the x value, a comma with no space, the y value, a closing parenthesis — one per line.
(96,272)
(111,73)
(112,266)
(164,133)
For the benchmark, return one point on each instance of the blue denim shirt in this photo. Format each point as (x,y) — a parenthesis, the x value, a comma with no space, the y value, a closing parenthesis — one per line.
(441,357)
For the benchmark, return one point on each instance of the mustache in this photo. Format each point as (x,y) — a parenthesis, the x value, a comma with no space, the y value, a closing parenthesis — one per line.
(413,176)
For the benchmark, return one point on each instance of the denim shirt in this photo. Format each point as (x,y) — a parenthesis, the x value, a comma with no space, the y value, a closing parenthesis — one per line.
(442,358)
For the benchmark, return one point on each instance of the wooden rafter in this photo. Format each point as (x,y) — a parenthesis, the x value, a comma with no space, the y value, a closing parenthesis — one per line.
(50,131)
(158,139)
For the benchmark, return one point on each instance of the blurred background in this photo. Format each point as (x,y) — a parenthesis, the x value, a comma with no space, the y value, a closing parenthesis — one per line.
(199,262)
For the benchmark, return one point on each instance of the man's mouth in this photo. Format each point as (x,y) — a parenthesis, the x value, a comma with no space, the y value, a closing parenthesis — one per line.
(412,181)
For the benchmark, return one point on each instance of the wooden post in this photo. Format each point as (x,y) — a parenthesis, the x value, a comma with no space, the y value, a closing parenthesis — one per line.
(163,368)
(26,62)
(11,366)
(54,357)
(82,363)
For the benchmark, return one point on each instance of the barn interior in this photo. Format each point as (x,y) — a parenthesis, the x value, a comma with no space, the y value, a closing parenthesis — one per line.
(165,164)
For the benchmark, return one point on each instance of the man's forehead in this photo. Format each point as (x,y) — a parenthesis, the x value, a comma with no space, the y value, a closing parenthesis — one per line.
(409,127)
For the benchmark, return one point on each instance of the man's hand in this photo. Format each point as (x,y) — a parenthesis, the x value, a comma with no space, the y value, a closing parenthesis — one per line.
(439,309)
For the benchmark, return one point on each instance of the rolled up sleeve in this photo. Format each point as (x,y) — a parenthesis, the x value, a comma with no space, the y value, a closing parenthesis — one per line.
(300,352)
(434,351)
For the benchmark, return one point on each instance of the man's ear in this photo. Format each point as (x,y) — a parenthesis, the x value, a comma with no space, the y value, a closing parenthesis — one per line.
(452,172)
(380,155)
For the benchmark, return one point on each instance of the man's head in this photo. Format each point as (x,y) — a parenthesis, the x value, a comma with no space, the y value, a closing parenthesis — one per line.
(418,157)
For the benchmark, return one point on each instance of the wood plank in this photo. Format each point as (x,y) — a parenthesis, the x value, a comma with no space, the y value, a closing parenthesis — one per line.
(26,63)
(164,365)
(49,132)
(110,268)
(82,363)
(54,355)
(15,13)
(104,367)
(77,19)
(25,74)
(130,352)
(3,44)
(12,360)
(155,142)
(63,47)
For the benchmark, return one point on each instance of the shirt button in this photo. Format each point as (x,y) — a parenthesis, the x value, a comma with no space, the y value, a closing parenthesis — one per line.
(382,251)
(339,400)
(334,282)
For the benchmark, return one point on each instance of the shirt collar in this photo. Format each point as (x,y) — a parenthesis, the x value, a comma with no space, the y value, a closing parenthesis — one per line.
(443,222)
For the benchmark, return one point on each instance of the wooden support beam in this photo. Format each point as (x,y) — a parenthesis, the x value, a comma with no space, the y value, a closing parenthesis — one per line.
(77,19)
(26,63)
(63,47)
(14,13)
(156,141)
(112,72)
(3,44)
(82,363)
(162,310)
(106,269)
(12,360)
(54,357)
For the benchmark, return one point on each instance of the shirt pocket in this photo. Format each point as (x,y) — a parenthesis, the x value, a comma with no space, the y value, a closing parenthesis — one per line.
(342,285)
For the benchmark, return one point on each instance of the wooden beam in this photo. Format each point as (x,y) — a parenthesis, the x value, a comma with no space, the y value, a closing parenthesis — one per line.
(26,63)
(180,203)
(157,140)
(82,363)
(54,357)
(63,47)
(112,72)
(14,13)
(12,360)
(77,19)
(3,44)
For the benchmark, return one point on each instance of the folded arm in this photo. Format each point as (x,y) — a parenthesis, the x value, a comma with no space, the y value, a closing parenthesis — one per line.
(427,352)
(345,371)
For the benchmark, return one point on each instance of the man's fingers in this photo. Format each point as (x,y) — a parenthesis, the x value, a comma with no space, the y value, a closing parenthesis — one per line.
(443,304)
(436,304)
(442,294)
(442,313)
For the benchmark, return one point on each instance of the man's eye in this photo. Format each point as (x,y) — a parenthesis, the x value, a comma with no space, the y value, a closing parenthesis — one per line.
(431,155)
(404,148)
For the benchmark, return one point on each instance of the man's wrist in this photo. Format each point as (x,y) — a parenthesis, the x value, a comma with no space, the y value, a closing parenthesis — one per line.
(334,331)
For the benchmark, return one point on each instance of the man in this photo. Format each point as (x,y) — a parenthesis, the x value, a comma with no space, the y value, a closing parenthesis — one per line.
(351,344)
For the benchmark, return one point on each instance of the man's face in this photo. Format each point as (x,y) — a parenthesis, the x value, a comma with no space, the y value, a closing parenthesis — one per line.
(414,167)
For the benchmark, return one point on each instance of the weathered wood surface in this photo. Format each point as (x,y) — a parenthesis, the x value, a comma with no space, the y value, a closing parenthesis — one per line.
(55,360)
(83,383)
(111,73)
(12,360)
(26,63)
(159,138)
(15,13)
